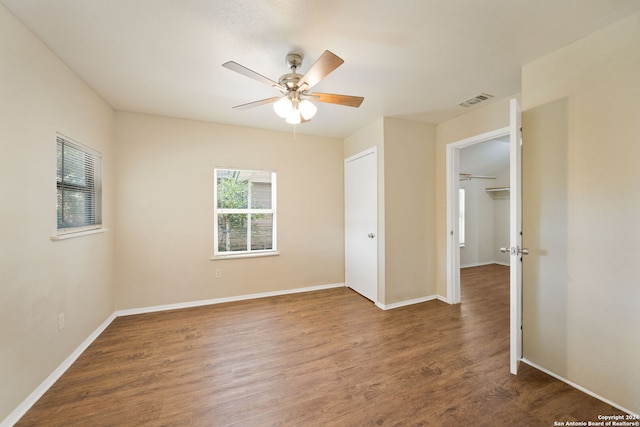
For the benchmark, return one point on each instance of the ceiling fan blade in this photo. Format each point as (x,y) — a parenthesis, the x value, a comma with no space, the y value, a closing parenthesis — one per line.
(320,69)
(234,66)
(349,101)
(257,103)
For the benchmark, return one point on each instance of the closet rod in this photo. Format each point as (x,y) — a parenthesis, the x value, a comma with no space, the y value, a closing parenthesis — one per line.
(468,176)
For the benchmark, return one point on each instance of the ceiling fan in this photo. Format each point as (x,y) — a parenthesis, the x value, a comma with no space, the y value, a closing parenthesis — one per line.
(294,105)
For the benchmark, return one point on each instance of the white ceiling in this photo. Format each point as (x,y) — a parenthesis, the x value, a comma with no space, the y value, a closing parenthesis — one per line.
(413,59)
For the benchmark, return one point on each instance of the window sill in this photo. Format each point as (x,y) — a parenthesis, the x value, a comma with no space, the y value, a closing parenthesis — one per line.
(71,235)
(243,255)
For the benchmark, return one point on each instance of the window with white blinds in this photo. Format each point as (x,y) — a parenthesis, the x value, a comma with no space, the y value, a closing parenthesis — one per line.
(245,213)
(79,185)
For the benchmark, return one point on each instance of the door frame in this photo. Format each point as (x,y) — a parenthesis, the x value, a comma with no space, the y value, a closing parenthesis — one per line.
(453,185)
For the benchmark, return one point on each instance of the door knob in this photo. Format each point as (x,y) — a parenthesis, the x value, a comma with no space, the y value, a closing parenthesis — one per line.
(515,251)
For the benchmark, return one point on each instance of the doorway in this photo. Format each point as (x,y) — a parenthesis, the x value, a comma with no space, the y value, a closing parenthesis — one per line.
(515,250)
(453,203)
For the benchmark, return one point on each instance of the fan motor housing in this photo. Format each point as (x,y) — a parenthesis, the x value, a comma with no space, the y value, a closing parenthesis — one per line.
(290,81)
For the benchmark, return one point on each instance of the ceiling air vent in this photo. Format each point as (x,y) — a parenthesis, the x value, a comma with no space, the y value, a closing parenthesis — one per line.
(475,100)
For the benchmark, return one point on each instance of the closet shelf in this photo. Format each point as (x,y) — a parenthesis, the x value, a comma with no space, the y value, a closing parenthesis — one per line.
(499,192)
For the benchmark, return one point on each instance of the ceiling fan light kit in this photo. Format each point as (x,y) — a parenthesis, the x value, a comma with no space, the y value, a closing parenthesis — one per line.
(291,108)
(293,105)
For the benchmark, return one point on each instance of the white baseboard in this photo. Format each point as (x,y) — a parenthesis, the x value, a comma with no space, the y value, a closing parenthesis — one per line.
(576,386)
(132,311)
(444,299)
(406,302)
(479,264)
(26,404)
(54,376)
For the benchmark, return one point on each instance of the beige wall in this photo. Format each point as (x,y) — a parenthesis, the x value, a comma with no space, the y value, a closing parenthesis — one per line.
(39,278)
(406,221)
(491,117)
(369,136)
(165,210)
(599,297)
(409,163)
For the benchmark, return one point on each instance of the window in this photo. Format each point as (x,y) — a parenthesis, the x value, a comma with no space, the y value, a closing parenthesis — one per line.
(245,213)
(461,215)
(79,185)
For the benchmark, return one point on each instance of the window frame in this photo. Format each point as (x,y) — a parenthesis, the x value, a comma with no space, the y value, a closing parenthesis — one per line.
(217,254)
(92,188)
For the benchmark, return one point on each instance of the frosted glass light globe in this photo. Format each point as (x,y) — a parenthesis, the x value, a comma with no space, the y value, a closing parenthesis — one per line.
(307,109)
(294,117)
(283,107)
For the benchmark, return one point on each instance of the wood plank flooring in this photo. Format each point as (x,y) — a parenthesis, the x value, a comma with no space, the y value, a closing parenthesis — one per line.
(326,358)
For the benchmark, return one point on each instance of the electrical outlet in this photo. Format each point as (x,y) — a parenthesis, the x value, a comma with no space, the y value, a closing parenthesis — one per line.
(218,273)
(60,321)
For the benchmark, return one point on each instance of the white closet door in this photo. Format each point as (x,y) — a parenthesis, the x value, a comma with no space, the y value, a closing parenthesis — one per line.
(361,224)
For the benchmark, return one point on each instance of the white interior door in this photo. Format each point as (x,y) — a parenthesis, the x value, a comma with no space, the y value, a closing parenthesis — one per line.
(361,224)
(515,236)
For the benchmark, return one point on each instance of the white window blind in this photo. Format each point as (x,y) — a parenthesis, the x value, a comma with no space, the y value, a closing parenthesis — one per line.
(79,186)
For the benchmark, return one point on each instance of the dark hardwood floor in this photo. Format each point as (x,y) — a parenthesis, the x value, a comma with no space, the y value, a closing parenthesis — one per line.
(326,358)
